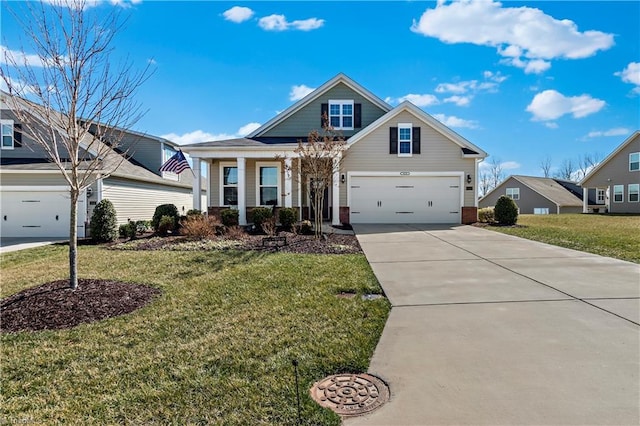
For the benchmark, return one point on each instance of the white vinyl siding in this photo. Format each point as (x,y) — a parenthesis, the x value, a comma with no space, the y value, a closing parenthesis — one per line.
(513,193)
(634,192)
(618,193)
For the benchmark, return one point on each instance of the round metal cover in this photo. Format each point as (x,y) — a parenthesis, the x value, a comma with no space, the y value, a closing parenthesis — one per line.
(350,394)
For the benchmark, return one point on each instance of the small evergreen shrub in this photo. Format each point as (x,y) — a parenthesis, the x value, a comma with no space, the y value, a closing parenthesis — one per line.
(506,211)
(143,226)
(165,210)
(287,217)
(260,215)
(128,230)
(194,212)
(104,222)
(229,217)
(486,215)
(166,224)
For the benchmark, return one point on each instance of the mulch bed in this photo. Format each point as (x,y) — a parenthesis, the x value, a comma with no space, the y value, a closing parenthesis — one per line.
(54,305)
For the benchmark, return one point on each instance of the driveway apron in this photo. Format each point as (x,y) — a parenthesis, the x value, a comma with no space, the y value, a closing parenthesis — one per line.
(491,329)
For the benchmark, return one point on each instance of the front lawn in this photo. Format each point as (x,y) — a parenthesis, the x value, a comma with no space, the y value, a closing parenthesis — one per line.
(215,347)
(606,235)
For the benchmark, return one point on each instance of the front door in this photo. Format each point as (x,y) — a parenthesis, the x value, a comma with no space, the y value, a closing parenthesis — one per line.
(326,209)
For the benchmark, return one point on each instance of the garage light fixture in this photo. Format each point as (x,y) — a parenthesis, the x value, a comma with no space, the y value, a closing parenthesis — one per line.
(468,178)
(342,178)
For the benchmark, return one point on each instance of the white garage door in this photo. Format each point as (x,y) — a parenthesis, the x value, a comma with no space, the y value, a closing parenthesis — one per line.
(37,214)
(405,199)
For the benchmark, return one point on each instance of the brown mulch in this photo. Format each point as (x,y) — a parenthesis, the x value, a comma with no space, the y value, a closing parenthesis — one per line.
(54,305)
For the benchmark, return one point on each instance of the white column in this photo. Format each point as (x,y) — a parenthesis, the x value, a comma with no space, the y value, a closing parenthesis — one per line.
(288,197)
(242,189)
(208,163)
(299,189)
(99,190)
(585,200)
(335,220)
(197,203)
(475,182)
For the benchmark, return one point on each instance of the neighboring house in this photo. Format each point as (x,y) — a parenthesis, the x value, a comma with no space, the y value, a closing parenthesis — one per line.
(616,180)
(35,197)
(537,195)
(401,164)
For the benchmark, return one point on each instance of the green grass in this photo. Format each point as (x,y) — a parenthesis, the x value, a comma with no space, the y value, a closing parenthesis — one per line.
(606,235)
(215,348)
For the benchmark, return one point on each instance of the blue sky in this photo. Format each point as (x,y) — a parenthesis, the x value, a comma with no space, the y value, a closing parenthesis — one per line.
(522,80)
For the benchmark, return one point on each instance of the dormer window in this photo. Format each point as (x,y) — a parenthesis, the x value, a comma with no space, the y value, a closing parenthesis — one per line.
(341,114)
(7,134)
(404,139)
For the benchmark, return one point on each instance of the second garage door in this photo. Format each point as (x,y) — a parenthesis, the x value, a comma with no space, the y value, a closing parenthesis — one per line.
(405,199)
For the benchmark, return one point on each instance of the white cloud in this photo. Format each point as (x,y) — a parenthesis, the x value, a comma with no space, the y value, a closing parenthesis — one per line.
(453,121)
(631,74)
(299,92)
(279,23)
(238,14)
(201,136)
(510,165)
(420,100)
(460,87)
(20,58)
(550,105)
(18,87)
(551,124)
(526,37)
(616,131)
(459,100)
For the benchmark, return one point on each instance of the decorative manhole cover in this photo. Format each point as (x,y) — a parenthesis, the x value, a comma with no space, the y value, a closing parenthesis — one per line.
(350,394)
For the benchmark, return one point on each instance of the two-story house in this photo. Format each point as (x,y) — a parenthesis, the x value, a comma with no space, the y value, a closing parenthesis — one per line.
(401,165)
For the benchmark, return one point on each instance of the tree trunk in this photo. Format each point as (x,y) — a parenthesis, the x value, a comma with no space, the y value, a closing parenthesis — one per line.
(73,240)
(319,196)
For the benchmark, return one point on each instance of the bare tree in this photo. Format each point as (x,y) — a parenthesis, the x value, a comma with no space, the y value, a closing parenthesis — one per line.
(496,173)
(566,170)
(587,162)
(485,183)
(76,95)
(545,166)
(320,157)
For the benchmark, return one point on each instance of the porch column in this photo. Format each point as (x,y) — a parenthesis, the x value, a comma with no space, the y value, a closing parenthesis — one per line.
(208,183)
(299,171)
(335,219)
(288,197)
(99,190)
(197,176)
(585,200)
(242,187)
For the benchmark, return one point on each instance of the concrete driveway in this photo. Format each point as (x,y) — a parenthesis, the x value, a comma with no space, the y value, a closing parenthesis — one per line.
(8,244)
(492,329)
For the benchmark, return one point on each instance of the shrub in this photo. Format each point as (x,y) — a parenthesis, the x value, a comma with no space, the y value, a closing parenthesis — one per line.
(104,222)
(506,211)
(269,226)
(128,230)
(260,215)
(165,210)
(287,217)
(236,233)
(199,226)
(143,226)
(194,212)
(229,217)
(304,227)
(486,215)
(166,224)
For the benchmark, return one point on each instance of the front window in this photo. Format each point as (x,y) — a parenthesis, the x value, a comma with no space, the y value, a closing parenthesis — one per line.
(634,161)
(7,134)
(404,139)
(634,192)
(600,196)
(513,193)
(229,181)
(268,178)
(341,114)
(618,193)
(541,210)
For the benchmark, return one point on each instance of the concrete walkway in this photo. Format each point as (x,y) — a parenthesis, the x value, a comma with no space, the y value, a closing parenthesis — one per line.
(8,244)
(490,329)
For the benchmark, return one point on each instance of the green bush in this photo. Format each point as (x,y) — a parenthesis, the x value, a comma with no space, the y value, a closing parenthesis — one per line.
(128,230)
(194,212)
(165,210)
(261,214)
(287,217)
(506,211)
(166,224)
(486,215)
(229,217)
(104,222)
(143,226)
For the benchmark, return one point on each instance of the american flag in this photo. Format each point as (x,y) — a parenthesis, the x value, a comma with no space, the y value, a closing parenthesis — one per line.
(176,164)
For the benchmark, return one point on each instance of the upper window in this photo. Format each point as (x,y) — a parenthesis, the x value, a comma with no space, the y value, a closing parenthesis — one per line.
(7,134)
(634,192)
(600,196)
(341,114)
(634,161)
(404,140)
(267,184)
(513,193)
(167,153)
(229,184)
(618,193)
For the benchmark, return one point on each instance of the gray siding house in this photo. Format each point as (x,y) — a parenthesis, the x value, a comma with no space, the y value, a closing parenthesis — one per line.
(616,180)
(537,195)
(401,165)
(35,197)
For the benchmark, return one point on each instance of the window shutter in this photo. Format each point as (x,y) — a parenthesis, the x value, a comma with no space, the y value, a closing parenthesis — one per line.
(17,135)
(415,141)
(324,111)
(357,116)
(393,140)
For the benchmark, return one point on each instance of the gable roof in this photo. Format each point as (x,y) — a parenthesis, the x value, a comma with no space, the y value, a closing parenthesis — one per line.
(554,190)
(600,165)
(469,149)
(340,78)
